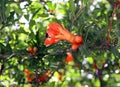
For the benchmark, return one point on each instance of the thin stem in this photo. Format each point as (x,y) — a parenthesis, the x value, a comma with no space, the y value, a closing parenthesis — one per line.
(75,17)
(110,24)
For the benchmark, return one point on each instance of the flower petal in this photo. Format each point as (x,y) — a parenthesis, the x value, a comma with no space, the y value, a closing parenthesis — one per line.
(75,46)
(54,29)
(78,40)
(27,72)
(48,41)
(69,57)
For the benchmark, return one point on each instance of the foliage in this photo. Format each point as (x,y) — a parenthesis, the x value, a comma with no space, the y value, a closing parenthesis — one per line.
(23,24)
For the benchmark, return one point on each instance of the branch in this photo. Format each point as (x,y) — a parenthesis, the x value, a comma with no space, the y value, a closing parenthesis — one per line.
(7,56)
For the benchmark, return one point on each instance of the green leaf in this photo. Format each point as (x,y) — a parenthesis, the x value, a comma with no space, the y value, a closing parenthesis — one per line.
(8,48)
(72,7)
(27,17)
(51,6)
(31,24)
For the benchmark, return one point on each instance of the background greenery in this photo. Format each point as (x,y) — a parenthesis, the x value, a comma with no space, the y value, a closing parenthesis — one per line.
(23,23)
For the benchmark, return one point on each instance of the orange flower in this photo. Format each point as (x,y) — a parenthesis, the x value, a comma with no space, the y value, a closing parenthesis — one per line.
(29,76)
(52,31)
(27,72)
(35,49)
(77,41)
(43,78)
(69,57)
(57,32)
(50,41)
(32,50)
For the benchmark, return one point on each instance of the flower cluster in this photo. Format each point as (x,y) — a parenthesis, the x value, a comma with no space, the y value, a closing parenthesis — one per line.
(32,50)
(57,32)
(29,76)
(40,78)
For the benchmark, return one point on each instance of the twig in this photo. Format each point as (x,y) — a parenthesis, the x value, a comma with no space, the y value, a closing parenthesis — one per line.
(75,17)
(8,56)
(11,56)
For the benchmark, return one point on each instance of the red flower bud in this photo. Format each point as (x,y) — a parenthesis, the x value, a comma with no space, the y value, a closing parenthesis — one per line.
(69,57)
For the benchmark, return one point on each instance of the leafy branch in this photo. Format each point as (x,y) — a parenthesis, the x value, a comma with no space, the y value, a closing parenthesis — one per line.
(106,43)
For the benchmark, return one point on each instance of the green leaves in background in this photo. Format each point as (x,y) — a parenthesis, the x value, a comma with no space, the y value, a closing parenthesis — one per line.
(23,23)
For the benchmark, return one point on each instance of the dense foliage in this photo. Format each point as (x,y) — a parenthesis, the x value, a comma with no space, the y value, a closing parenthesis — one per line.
(26,60)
